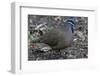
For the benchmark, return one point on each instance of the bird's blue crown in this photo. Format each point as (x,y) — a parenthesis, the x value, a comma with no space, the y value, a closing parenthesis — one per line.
(71,21)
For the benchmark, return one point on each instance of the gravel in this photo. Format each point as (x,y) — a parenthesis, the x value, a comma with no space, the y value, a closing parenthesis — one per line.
(78,49)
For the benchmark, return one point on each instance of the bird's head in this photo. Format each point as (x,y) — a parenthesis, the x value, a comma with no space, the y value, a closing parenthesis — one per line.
(71,22)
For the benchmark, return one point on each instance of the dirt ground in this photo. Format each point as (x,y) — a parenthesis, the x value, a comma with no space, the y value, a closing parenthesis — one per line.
(78,48)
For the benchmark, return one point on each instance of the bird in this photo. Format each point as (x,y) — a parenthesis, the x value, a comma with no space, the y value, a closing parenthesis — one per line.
(60,37)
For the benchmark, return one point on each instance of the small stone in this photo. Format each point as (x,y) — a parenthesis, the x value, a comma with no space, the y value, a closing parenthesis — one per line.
(75,39)
(80,34)
(45,49)
(70,56)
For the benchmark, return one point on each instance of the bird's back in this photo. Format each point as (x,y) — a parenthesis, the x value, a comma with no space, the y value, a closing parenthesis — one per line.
(58,38)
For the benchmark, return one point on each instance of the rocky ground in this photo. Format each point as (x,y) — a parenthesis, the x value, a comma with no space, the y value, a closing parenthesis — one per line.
(78,48)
